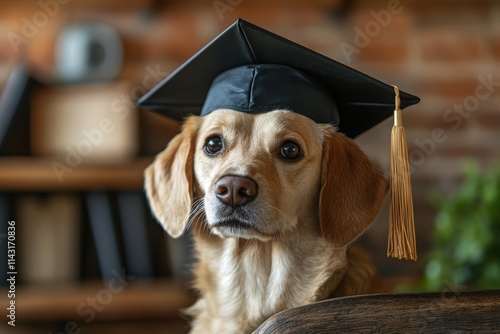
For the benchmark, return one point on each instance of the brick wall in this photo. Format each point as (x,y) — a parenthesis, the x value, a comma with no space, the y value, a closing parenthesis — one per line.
(446,52)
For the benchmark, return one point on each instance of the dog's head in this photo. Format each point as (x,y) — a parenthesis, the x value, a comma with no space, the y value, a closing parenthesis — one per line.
(262,175)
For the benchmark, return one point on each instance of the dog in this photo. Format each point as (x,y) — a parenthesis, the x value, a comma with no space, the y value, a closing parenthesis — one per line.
(273,201)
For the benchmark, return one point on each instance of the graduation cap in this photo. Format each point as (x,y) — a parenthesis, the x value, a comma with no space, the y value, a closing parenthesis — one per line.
(360,100)
(249,69)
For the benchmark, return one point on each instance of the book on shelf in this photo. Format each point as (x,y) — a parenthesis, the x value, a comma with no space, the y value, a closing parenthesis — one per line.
(48,235)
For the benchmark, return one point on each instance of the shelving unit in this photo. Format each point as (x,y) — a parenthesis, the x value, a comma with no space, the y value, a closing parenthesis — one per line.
(142,304)
(137,300)
(32,174)
(139,305)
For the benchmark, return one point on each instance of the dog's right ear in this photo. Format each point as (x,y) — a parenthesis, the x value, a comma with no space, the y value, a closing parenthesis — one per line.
(168,181)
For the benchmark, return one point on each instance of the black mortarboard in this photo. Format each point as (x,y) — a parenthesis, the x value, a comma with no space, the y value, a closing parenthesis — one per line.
(249,69)
(256,71)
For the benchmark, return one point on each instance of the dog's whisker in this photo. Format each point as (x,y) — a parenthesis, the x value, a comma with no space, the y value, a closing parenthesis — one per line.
(288,220)
(197,213)
(247,243)
(283,214)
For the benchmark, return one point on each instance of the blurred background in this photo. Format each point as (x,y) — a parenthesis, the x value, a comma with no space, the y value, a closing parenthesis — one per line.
(73,145)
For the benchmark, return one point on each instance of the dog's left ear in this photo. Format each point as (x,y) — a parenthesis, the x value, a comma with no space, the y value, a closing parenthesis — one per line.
(352,190)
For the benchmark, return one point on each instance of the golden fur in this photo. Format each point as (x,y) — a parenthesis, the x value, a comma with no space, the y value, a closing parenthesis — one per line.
(303,218)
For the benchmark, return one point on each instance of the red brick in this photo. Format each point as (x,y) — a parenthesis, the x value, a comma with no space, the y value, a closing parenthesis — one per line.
(417,120)
(464,12)
(400,22)
(40,49)
(261,3)
(7,54)
(384,52)
(487,119)
(464,152)
(379,38)
(449,45)
(495,47)
(454,88)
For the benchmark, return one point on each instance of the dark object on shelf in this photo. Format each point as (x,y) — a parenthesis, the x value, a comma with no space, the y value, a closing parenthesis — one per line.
(15,103)
(88,52)
(105,235)
(134,234)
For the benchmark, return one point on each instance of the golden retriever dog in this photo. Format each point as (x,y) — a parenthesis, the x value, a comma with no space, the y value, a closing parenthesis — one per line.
(273,200)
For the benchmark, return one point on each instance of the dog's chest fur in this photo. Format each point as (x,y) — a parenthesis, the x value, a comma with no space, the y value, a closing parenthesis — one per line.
(244,282)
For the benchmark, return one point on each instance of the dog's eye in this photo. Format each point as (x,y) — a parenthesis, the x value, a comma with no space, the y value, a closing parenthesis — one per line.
(213,145)
(290,150)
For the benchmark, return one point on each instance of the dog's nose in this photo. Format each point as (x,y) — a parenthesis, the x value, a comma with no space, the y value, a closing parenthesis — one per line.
(235,190)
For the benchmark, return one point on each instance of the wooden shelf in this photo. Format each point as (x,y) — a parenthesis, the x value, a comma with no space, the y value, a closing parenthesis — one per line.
(139,300)
(32,174)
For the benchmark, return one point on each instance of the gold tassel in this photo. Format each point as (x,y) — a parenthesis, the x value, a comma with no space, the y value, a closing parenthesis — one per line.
(401,244)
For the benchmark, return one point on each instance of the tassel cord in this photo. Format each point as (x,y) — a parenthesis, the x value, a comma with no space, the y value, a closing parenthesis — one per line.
(402,241)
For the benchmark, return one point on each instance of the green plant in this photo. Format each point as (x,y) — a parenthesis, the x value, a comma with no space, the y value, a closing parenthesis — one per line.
(466,239)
